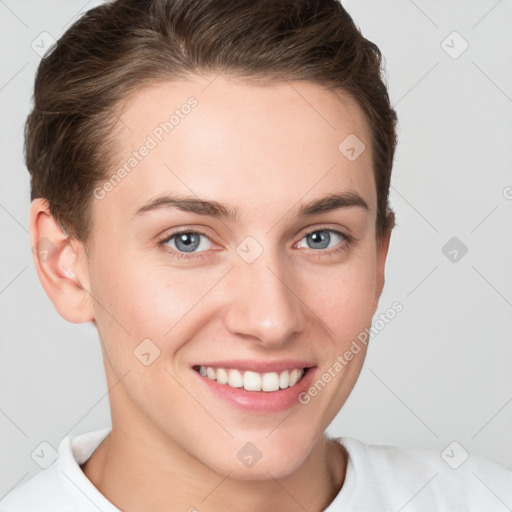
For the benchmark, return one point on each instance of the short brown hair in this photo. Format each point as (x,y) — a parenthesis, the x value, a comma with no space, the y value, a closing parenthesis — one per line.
(115,49)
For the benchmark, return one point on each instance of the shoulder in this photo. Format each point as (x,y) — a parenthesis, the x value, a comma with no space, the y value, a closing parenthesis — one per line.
(62,486)
(428,479)
(38,493)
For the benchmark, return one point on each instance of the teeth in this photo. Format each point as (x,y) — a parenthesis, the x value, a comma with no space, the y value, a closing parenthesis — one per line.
(294,377)
(235,379)
(270,381)
(253,381)
(222,376)
(284,379)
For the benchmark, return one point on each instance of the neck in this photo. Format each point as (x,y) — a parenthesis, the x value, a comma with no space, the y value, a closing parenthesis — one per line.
(137,474)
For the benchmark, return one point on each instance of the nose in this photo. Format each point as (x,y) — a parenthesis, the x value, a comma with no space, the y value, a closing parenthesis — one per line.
(263,303)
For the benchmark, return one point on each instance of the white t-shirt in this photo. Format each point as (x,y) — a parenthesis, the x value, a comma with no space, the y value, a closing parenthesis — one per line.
(378,479)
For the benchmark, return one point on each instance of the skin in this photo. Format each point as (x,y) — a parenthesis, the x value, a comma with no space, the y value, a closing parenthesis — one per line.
(264,150)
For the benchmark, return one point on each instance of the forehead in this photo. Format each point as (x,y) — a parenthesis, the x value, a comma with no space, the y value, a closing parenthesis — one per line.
(248,145)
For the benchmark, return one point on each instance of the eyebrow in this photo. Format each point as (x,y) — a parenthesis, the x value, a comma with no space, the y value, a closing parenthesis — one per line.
(331,202)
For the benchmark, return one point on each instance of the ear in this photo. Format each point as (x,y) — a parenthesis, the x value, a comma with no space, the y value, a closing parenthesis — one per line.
(61,265)
(382,252)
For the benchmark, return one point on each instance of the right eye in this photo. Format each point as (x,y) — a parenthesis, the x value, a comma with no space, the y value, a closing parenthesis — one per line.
(181,243)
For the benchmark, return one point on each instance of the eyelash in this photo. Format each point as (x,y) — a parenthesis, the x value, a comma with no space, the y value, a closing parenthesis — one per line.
(345,244)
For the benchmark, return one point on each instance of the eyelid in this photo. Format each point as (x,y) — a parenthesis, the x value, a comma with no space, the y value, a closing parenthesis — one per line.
(162,241)
(187,229)
(345,232)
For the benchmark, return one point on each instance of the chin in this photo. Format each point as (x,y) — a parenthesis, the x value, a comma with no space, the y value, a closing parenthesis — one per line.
(261,459)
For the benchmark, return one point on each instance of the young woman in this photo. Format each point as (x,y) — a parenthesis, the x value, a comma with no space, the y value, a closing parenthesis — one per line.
(210,188)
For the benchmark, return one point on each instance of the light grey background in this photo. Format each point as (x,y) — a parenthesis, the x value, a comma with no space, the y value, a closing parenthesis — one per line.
(440,371)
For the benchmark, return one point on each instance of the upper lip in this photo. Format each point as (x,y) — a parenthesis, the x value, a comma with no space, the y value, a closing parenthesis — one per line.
(259,366)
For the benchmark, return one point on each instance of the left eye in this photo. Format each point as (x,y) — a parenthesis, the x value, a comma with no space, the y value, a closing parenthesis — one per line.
(321,238)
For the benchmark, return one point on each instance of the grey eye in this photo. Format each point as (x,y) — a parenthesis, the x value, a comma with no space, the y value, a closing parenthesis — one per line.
(321,239)
(187,241)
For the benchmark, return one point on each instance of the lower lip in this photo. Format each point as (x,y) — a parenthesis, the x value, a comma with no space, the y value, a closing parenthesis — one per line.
(260,401)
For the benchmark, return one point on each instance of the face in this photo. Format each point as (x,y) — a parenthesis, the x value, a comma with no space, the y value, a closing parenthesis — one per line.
(199,305)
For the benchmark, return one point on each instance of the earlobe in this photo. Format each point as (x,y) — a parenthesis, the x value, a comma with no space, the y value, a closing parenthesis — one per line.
(61,265)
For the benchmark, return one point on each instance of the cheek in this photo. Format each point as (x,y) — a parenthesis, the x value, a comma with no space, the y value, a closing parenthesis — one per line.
(343,297)
(146,301)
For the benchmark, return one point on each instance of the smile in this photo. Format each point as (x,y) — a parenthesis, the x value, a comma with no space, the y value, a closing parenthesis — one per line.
(253,381)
